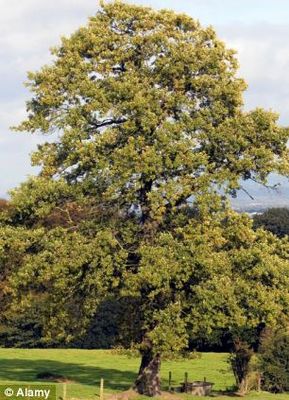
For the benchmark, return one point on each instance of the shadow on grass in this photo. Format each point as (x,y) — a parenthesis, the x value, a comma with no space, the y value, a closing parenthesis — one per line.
(26,370)
(219,393)
(115,380)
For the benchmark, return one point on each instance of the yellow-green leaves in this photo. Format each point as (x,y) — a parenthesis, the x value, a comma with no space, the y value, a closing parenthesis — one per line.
(145,98)
(148,112)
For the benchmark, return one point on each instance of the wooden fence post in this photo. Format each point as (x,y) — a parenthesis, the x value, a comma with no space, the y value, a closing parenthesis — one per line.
(64,391)
(170,381)
(101,389)
(186,382)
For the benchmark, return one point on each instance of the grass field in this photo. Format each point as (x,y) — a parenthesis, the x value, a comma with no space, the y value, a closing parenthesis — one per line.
(85,368)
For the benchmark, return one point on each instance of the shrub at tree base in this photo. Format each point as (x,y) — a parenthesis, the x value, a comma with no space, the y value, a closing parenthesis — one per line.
(275,361)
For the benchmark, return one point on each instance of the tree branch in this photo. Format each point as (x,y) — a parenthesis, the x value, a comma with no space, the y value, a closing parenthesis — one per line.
(107,122)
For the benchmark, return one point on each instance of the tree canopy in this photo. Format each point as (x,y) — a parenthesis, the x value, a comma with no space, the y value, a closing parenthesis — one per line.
(147,109)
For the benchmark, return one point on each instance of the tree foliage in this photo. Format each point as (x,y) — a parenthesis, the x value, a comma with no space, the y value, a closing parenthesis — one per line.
(274,361)
(148,113)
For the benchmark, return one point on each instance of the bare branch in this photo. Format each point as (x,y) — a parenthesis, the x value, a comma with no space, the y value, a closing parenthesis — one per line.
(247,193)
(107,122)
(271,187)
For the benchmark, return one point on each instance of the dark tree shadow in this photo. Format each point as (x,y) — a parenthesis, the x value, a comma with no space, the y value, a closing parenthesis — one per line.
(115,380)
(224,394)
(26,370)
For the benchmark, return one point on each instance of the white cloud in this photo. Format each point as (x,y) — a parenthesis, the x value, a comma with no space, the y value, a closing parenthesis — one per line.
(28,28)
(263,54)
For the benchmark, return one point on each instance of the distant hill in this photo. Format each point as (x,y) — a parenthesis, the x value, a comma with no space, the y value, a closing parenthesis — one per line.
(263,197)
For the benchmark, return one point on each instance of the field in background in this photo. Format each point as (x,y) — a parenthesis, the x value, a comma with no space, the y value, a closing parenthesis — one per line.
(85,368)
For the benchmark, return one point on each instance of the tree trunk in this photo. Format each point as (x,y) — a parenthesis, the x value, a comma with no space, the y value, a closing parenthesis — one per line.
(148,380)
(240,361)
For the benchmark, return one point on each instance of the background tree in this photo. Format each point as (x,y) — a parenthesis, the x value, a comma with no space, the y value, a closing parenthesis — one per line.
(274,352)
(275,220)
(148,111)
(4,204)
(16,329)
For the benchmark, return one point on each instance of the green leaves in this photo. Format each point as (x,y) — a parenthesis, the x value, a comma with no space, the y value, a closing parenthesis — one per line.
(148,111)
(149,99)
(221,274)
(68,275)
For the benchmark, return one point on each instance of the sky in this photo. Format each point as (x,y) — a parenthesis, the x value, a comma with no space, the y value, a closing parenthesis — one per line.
(257,29)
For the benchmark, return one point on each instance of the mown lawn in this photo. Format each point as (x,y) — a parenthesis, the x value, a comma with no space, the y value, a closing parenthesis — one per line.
(85,368)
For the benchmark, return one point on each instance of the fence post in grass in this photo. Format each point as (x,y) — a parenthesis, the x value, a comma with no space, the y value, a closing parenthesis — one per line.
(170,381)
(259,379)
(101,389)
(64,391)
(186,382)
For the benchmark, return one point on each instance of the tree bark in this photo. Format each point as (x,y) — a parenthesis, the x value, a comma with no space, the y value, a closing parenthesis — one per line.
(240,364)
(148,381)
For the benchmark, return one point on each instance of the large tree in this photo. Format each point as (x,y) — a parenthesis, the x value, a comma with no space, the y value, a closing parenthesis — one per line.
(147,110)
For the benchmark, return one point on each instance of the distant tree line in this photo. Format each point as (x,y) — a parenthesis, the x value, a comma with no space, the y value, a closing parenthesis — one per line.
(275,220)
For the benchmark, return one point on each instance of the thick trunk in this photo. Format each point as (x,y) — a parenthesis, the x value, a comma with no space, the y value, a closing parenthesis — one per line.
(148,380)
(240,364)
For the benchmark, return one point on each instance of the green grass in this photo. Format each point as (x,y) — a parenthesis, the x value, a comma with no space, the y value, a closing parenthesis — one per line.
(86,367)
